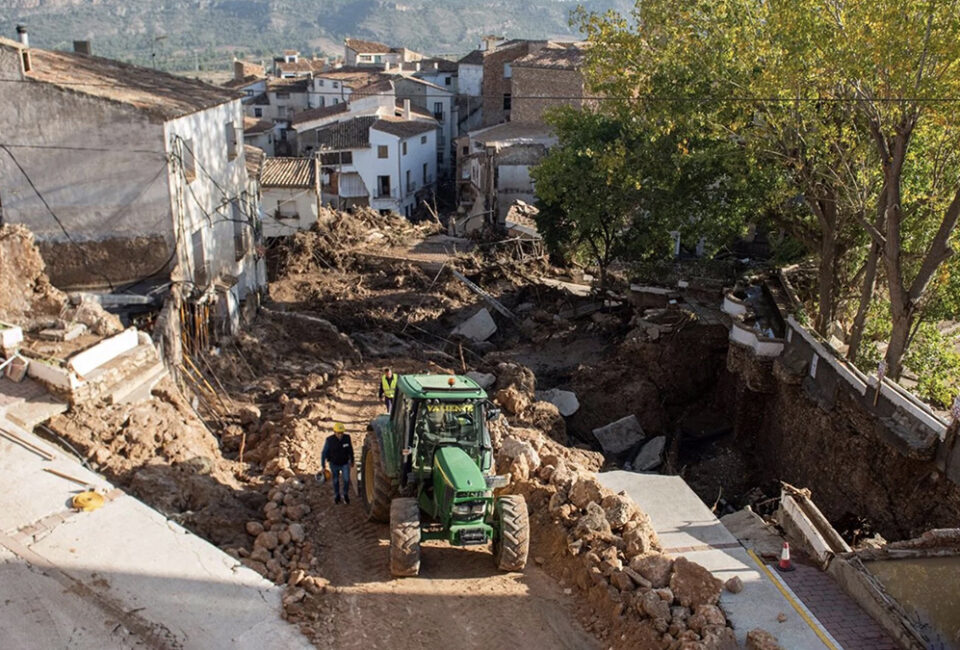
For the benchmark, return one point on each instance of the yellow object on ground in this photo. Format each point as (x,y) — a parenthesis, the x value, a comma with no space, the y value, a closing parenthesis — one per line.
(326,473)
(88,501)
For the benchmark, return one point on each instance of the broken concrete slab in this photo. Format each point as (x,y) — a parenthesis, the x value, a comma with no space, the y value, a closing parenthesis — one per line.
(565,400)
(650,455)
(617,437)
(484,379)
(69,333)
(381,344)
(478,327)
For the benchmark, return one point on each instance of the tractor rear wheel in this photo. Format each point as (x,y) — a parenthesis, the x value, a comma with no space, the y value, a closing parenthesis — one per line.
(378,489)
(404,537)
(511,544)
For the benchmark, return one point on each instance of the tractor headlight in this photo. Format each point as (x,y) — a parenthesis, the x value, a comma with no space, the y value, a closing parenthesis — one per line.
(461,509)
(497,481)
(478,508)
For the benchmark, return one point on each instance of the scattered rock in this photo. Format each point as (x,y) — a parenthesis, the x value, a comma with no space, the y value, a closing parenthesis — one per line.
(484,379)
(249,414)
(760,639)
(593,523)
(693,585)
(781,618)
(617,437)
(618,510)
(650,455)
(655,568)
(584,491)
(734,585)
(512,400)
(513,448)
(254,528)
(267,540)
(652,605)
(478,327)
(565,400)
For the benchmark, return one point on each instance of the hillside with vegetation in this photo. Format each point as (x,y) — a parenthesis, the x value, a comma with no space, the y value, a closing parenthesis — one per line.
(187,34)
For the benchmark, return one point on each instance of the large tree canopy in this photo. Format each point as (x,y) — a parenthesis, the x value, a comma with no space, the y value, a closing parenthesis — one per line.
(854,99)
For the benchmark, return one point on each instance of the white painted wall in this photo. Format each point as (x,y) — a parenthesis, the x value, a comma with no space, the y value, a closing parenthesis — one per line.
(402,198)
(293,201)
(427,97)
(328,92)
(470,79)
(204,204)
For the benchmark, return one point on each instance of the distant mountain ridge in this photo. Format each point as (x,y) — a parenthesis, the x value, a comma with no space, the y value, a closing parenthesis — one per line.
(180,34)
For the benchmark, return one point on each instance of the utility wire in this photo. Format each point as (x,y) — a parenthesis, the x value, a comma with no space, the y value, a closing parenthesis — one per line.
(83,252)
(632,98)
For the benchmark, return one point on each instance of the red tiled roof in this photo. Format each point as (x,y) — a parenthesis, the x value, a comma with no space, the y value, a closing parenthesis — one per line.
(404,128)
(160,95)
(288,172)
(367,47)
(316,113)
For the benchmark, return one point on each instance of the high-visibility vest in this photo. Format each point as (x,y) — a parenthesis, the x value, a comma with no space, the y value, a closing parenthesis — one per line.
(389,386)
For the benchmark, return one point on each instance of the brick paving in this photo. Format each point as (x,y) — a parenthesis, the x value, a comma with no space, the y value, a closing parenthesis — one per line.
(837,612)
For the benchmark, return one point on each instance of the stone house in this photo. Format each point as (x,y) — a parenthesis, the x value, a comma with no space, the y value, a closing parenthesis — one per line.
(547,78)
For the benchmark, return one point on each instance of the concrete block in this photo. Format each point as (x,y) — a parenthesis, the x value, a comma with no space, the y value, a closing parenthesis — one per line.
(104,352)
(565,400)
(484,379)
(617,437)
(11,336)
(478,327)
(650,455)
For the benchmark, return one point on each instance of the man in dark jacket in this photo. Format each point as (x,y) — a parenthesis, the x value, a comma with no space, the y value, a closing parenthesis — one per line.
(338,451)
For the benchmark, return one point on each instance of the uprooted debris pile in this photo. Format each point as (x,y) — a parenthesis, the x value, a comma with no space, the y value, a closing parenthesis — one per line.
(28,299)
(602,545)
(164,454)
(331,243)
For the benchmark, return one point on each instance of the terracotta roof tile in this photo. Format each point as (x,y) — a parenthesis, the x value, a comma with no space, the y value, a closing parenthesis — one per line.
(288,172)
(253,159)
(367,47)
(316,113)
(404,128)
(348,134)
(160,95)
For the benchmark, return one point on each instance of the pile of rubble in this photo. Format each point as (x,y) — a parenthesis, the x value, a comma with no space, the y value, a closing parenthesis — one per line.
(337,236)
(602,545)
(28,299)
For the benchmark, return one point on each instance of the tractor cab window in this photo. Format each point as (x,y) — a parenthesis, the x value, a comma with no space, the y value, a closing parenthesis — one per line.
(450,423)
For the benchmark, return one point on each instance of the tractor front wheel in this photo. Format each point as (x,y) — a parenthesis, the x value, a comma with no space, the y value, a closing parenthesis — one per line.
(404,537)
(378,489)
(511,544)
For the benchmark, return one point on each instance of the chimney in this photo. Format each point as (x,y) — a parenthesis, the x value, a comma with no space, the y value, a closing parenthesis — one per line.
(406,109)
(417,66)
(386,66)
(22,36)
(436,65)
(82,47)
(238,70)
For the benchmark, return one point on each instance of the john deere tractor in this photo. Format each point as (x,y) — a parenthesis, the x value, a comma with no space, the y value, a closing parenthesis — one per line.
(427,469)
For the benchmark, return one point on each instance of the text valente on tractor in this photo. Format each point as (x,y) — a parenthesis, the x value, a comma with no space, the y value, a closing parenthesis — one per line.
(427,468)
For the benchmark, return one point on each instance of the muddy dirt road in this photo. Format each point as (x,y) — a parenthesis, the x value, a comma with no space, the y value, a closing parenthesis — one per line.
(459,600)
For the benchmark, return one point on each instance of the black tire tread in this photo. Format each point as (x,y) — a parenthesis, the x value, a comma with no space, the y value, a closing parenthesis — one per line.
(404,537)
(384,488)
(512,545)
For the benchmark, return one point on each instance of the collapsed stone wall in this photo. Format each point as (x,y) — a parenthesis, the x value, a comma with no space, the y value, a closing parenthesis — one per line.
(850,469)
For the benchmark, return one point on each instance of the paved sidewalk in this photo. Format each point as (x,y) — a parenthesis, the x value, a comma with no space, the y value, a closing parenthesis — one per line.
(841,615)
(122,576)
(687,528)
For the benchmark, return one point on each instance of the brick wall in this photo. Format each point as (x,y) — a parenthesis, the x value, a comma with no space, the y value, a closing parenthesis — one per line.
(534,90)
(496,85)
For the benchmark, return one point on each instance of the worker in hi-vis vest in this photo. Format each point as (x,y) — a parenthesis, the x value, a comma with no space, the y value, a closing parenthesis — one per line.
(388,388)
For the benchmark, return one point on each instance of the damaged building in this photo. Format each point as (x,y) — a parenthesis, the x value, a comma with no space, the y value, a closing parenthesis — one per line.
(128,176)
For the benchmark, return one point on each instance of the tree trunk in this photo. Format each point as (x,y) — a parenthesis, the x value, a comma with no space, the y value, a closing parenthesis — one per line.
(866,297)
(826,210)
(899,338)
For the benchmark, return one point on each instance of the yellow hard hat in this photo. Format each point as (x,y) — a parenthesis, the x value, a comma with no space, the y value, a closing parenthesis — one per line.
(338,427)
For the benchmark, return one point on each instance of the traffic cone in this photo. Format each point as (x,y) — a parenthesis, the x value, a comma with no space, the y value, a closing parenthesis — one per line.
(785,563)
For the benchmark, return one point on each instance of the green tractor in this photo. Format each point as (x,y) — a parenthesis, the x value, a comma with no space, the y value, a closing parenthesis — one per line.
(427,469)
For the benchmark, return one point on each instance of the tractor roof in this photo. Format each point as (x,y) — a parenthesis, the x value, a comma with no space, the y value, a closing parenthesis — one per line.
(439,387)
